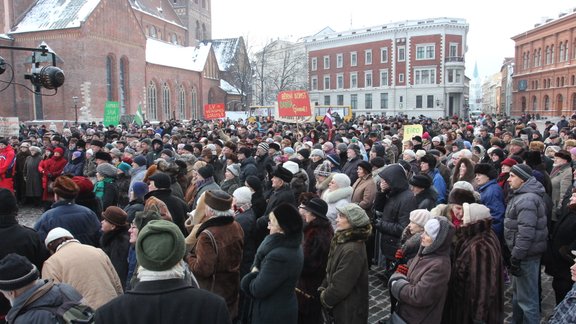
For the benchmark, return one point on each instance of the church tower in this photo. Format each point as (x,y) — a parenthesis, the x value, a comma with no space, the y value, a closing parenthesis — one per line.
(196,15)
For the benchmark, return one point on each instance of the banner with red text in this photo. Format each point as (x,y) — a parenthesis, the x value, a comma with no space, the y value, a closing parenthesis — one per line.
(294,104)
(214,111)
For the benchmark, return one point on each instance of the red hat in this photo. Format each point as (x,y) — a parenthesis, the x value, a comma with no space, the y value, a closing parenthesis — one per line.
(426,135)
(84,184)
(127,160)
(470,127)
(59,150)
(509,162)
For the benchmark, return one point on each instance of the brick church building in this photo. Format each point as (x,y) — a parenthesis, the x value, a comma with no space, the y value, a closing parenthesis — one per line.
(154,54)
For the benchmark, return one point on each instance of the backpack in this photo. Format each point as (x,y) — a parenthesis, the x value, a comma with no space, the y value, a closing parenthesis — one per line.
(71,311)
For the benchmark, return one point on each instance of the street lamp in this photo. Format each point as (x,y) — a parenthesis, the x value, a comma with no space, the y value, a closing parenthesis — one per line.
(75,99)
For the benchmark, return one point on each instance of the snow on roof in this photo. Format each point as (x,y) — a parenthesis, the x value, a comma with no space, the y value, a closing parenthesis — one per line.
(5,36)
(186,58)
(56,14)
(225,51)
(228,88)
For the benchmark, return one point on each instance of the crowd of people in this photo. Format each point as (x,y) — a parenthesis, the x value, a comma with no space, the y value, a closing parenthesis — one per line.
(270,222)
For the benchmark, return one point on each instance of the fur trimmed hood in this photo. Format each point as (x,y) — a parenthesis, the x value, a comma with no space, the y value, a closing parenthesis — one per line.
(341,193)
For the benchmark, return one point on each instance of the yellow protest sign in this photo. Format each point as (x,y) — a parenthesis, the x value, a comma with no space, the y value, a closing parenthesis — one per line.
(411,131)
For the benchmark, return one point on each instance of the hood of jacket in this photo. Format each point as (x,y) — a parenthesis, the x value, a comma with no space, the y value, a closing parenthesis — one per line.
(338,194)
(395,176)
(532,185)
(441,245)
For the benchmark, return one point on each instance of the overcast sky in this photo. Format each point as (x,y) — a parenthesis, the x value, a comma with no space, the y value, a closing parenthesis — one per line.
(492,22)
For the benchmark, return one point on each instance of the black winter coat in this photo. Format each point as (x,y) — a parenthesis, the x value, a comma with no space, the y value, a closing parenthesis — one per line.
(247,221)
(164,302)
(177,207)
(116,245)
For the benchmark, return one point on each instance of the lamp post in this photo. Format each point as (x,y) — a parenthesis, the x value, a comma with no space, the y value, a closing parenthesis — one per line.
(75,99)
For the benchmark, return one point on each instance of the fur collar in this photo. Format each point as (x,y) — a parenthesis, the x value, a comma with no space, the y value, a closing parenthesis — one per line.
(341,193)
(215,221)
(353,234)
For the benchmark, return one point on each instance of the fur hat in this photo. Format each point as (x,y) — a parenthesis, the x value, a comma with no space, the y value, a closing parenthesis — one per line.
(509,162)
(161,180)
(140,160)
(533,159)
(115,216)
(291,166)
(283,173)
(243,195)
(421,181)
(522,171)
(366,166)
(84,185)
(9,204)
(16,271)
(105,156)
(460,196)
(341,180)
(486,169)
(274,146)
(160,246)
(517,141)
(206,171)
(355,214)
(305,153)
(97,143)
(563,154)
(430,159)
(288,218)
(420,216)
(218,200)
(474,212)
(65,187)
(107,170)
(355,148)
(318,207)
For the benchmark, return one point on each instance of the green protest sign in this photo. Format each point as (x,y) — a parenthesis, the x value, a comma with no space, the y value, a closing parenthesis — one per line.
(111,113)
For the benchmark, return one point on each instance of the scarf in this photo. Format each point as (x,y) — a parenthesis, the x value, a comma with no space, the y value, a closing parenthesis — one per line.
(99,187)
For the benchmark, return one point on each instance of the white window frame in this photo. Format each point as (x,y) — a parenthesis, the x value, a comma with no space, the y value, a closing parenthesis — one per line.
(326,79)
(401,53)
(340,81)
(314,64)
(400,77)
(353,59)
(368,80)
(425,52)
(368,101)
(384,55)
(425,76)
(314,82)
(453,48)
(326,62)
(339,60)
(368,57)
(384,100)
(384,81)
(353,80)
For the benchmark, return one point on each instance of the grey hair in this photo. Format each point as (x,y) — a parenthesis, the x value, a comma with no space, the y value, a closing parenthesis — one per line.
(220,213)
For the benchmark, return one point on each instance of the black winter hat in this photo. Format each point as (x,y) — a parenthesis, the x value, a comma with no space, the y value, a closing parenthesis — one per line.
(206,171)
(9,205)
(379,150)
(522,171)
(103,156)
(288,218)
(246,151)
(161,180)
(16,272)
(305,153)
(378,162)
(318,207)
(97,143)
(283,173)
(430,159)
(366,166)
(421,181)
(461,196)
(486,169)
(532,158)
(563,154)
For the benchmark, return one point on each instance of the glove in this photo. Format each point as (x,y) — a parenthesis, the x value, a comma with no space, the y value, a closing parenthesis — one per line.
(515,268)
(399,254)
(403,269)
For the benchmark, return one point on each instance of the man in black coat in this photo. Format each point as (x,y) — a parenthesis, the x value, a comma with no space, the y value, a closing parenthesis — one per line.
(159,250)
(15,238)
(160,188)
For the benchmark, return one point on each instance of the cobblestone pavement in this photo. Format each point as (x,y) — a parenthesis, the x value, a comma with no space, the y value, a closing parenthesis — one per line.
(379,299)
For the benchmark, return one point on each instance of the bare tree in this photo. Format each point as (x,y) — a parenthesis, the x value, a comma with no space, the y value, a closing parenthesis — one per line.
(240,74)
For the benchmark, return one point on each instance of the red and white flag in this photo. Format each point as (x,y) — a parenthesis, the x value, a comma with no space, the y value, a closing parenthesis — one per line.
(328,118)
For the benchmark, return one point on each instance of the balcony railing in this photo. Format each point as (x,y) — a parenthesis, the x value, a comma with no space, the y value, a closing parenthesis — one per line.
(454,59)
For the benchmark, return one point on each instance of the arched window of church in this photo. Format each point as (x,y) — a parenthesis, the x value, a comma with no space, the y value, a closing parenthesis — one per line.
(181,102)
(534,103)
(174,38)
(194,104)
(124,86)
(152,101)
(546,102)
(152,32)
(204,35)
(166,100)
(198,31)
(110,73)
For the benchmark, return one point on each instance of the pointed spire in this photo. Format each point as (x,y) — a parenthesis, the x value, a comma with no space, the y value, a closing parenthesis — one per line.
(475,70)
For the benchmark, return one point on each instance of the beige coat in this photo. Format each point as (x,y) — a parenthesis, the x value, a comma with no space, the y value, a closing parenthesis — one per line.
(87,269)
(364,193)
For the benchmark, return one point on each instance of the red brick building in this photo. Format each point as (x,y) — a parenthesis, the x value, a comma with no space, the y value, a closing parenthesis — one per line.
(410,67)
(544,80)
(135,52)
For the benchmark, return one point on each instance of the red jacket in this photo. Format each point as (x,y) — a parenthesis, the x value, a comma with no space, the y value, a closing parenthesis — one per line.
(7,167)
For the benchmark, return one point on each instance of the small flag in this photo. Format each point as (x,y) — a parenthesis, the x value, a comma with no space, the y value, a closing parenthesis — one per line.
(328,118)
(139,118)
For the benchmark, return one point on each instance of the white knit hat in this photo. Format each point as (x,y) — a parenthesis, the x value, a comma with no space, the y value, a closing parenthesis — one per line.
(56,233)
(432,228)
(420,216)
(341,180)
(474,212)
(243,195)
(291,166)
